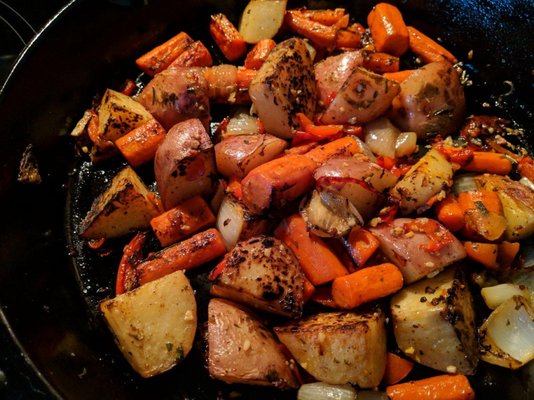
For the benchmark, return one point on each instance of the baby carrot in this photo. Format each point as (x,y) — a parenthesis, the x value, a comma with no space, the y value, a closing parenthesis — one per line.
(227,37)
(388,29)
(351,37)
(140,145)
(193,252)
(398,76)
(366,284)
(381,63)
(326,17)
(489,162)
(506,254)
(443,387)
(257,56)
(186,218)
(483,215)
(397,368)
(427,49)
(195,55)
(159,58)
(344,147)
(318,262)
(319,34)
(450,213)
(361,245)
(483,253)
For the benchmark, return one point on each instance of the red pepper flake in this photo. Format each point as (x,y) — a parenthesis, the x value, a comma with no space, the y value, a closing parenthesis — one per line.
(437,235)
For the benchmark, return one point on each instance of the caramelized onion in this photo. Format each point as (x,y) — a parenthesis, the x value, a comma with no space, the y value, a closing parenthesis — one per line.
(381,137)
(322,391)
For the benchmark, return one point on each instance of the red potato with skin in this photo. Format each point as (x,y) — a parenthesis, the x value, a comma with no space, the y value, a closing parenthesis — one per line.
(431,101)
(238,155)
(413,250)
(177,94)
(363,97)
(185,164)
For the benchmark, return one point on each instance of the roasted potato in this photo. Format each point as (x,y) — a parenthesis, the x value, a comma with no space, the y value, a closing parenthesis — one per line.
(262,273)
(185,163)
(283,87)
(427,178)
(434,323)
(339,347)
(125,206)
(241,350)
(155,324)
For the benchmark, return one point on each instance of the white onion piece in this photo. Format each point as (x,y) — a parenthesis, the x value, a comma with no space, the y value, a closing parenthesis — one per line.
(364,149)
(464,183)
(507,336)
(326,391)
(311,49)
(527,182)
(406,144)
(230,221)
(523,277)
(381,137)
(372,395)
(242,123)
(494,296)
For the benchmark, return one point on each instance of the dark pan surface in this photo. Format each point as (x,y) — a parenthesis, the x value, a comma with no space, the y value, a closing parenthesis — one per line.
(49,281)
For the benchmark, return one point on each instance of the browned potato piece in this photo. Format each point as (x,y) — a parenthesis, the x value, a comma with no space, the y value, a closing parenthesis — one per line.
(185,163)
(435,323)
(125,206)
(242,350)
(431,101)
(263,273)
(283,87)
(339,347)
(155,324)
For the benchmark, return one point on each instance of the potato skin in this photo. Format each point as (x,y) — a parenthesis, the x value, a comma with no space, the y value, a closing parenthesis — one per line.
(431,101)
(263,273)
(339,347)
(242,350)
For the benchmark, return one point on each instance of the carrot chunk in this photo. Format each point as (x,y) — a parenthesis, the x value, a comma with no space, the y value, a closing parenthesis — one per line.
(319,34)
(397,368)
(443,387)
(506,254)
(381,63)
(257,56)
(388,30)
(193,252)
(227,37)
(450,213)
(361,245)
(195,55)
(483,215)
(489,162)
(366,285)
(350,37)
(140,145)
(483,253)
(427,49)
(183,220)
(326,17)
(344,147)
(159,58)
(398,76)
(318,262)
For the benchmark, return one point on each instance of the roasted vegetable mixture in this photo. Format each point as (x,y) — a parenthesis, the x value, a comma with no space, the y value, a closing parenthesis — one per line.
(349,211)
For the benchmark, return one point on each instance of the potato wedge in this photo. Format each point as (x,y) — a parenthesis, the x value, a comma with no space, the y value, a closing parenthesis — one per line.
(517,202)
(262,19)
(123,207)
(339,347)
(434,323)
(242,350)
(428,177)
(185,163)
(262,273)
(283,87)
(155,324)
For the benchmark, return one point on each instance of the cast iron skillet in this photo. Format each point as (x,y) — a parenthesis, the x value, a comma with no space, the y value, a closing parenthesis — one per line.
(47,294)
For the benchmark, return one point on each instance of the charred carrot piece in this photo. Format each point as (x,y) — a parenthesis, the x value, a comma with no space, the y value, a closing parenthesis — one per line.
(399,76)
(326,17)
(257,56)
(427,49)
(301,149)
(506,254)
(314,133)
(277,182)
(193,252)
(366,285)
(181,221)
(388,30)
(319,34)
(350,37)
(443,387)
(195,55)
(345,146)
(477,199)
(159,58)
(227,37)
(483,215)
(489,162)
(243,78)
(139,145)
(483,253)
(381,63)
(127,274)
(361,245)
(318,262)
(450,213)
(397,368)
